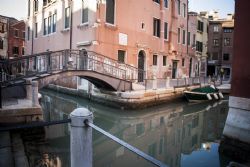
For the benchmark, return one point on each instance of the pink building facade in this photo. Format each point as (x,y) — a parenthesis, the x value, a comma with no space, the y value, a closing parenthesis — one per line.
(148,34)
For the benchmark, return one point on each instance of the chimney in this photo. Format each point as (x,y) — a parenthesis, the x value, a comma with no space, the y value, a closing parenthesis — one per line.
(229,16)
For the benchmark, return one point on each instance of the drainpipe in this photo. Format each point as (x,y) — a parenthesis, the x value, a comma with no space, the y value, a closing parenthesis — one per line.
(71,22)
(162,17)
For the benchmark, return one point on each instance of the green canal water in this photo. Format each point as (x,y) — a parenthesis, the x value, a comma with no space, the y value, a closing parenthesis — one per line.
(178,134)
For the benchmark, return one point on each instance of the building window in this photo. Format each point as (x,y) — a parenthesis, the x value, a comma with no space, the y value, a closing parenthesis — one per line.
(183,62)
(121,56)
(194,40)
(165,30)
(49,24)
(226,57)
(45,26)
(28,33)
(227,42)
(200,26)
(188,38)
(157,27)
(66,18)
(84,11)
(184,10)
(22,50)
(16,33)
(228,30)
(54,22)
(199,46)
(216,28)
(110,11)
(155,60)
(166,3)
(24,34)
(164,63)
(36,30)
(36,5)
(183,37)
(179,7)
(179,35)
(216,42)
(15,50)
(1,44)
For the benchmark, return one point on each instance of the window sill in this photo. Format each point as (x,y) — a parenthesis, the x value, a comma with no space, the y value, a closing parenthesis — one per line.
(166,40)
(65,30)
(83,25)
(111,26)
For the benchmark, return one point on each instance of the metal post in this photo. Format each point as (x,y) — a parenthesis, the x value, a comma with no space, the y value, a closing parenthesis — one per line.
(81,138)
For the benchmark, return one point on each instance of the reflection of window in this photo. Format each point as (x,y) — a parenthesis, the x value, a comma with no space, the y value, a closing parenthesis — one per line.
(1,44)
(121,56)
(156,27)
(84,11)
(140,129)
(110,11)
(216,42)
(195,122)
(154,60)
(15,50)
(16,33)
(152,150)
(161,145)
(161,120)
(216,28)
(226,57)
(194,140)
(226,41)
(67,18)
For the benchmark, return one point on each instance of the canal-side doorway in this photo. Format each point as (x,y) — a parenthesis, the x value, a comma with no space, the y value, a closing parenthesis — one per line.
(174,69)
(141,62)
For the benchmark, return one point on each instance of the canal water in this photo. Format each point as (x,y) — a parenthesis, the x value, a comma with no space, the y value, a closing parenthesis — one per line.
(178,134)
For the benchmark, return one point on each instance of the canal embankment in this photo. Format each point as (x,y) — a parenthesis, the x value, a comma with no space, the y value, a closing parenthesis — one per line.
(128,100)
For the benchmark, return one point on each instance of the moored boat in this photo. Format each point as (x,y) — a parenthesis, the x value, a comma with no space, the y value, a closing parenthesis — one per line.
(203,94)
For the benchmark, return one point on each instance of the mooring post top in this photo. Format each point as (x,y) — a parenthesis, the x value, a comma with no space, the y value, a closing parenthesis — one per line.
(81,112)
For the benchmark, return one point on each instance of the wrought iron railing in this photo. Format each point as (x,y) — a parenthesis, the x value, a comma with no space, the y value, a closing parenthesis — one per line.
(65,60)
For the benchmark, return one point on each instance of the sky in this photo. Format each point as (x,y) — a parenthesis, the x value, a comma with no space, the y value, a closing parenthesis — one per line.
(18,8)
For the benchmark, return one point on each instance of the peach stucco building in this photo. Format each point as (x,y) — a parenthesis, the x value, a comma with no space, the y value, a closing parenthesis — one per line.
(149,34)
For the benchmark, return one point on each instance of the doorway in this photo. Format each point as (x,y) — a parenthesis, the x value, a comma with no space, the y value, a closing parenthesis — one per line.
(141,62)
(174,69)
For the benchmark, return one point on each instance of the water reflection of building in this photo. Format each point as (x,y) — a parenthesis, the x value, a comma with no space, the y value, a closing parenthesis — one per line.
(163,132)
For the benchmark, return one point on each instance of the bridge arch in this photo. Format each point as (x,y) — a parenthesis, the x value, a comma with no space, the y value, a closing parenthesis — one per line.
(100,80)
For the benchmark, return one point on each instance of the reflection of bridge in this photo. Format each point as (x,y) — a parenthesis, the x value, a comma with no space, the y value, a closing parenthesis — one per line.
(103,72)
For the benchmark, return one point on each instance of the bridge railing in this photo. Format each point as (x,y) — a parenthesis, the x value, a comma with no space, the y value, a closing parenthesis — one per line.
(49,62)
